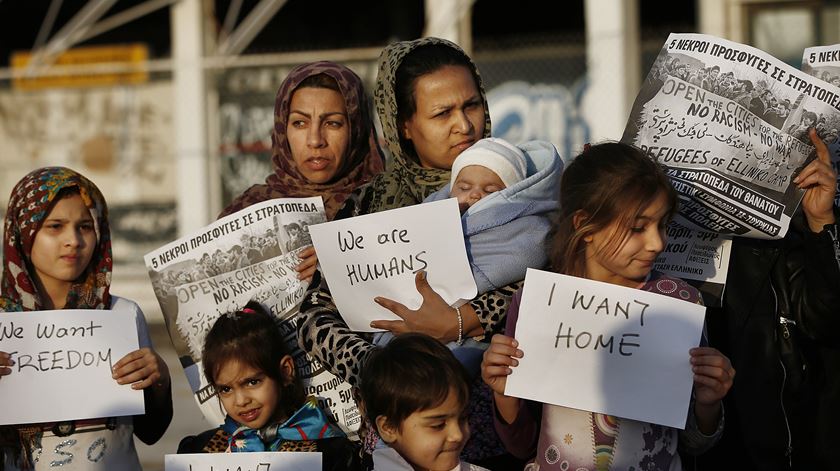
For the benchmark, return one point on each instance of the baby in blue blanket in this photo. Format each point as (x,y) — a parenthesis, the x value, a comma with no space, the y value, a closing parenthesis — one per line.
(505,193)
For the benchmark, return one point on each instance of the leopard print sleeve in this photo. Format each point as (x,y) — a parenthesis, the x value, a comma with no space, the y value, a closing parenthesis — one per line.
(492,306)
(323,334)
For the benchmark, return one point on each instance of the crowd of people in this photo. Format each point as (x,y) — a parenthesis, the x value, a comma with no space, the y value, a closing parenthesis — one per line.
(431,385)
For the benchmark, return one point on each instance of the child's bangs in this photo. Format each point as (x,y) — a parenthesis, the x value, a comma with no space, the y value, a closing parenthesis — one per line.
(634,200)
(434,390)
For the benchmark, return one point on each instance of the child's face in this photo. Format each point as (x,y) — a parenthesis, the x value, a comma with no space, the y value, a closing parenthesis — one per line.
(473,183)
(248,395)
(64,244)
(630,264)
(431,439)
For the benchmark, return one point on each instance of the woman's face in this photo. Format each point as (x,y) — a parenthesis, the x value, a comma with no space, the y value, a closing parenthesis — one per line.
(63,246)
(318,132)
(449,117)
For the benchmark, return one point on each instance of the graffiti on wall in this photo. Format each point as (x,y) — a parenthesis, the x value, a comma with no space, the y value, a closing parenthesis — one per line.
(523,111)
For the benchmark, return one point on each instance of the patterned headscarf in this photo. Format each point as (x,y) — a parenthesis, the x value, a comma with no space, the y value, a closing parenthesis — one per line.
(362,161)
(29,204)
(307,423)
(406,182)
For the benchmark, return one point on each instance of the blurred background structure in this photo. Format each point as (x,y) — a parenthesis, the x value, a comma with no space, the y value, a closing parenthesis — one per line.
(168,104)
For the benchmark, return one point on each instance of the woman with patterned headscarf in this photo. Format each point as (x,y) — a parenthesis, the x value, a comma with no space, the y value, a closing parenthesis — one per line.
(432,106)
(57,255)
(323,143)
(327,166)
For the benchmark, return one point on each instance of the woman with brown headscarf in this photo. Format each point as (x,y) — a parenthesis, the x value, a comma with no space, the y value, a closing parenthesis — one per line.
(323,143)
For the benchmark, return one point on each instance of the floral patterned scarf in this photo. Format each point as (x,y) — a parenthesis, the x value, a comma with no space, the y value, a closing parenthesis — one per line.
(406,182)
(363,159)
(30,203)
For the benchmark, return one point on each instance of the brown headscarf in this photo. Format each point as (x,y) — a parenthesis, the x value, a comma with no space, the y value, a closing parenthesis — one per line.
(362,162)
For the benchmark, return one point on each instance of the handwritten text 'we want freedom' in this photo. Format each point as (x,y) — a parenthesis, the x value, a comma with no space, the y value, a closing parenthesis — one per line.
(54,359)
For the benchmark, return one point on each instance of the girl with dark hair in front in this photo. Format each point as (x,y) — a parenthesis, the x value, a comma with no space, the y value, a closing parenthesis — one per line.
(415,394)
(247,362)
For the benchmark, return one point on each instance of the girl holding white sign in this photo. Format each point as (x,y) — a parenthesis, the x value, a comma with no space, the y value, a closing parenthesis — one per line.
(57,255)
(614,206)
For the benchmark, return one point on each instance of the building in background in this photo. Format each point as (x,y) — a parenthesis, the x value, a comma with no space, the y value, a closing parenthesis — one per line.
(172,136)
(168,104)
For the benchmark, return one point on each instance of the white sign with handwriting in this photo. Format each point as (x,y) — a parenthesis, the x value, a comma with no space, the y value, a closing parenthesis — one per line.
(255,461)
(378,255)
(605,348)
(62,365)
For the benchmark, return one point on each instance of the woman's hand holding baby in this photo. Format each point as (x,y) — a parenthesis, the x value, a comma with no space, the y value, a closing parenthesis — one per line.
(434,317)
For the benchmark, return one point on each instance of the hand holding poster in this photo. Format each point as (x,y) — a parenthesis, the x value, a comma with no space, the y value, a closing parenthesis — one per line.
(823,62)
(249,255)
(625,351)
(62,365)
(254,461)
(379,254)
(709,113)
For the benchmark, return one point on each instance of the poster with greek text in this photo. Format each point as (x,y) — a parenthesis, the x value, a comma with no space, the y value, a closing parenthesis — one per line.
(254,461)
(379,254)
(606,348)
(729,123)
(699,257)
(249,255)
(62,365)
(823,62)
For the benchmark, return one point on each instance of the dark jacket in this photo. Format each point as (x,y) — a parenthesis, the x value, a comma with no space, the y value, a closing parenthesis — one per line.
(782,410)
